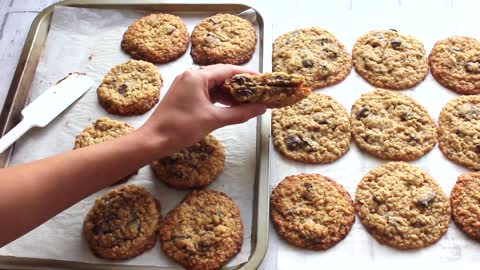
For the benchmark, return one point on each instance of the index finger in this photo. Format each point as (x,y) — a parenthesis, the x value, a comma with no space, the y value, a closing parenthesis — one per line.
(217,74)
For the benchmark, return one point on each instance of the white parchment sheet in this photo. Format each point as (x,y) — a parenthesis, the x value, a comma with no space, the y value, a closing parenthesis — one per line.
(359,248)
(88,40)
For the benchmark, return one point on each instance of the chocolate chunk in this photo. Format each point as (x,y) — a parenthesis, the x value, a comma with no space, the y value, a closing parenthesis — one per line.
(427,198)
(477,149)
(122,89)
(240,80)
(396,43)
(473,67)
(324,41)
(246,92)
(178,174)
(307,63)
(293,142)
(364,112)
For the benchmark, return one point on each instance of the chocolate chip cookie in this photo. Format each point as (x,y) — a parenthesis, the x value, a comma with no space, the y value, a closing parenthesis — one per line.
(131,88)
(455,63)
(459,123)
(157,38)
(314,130)
(402,206)
(103,130)
(274,89)
(123,223)
(223,38)
(388,59)
(465,201)
(392,126)
(312,211)
(193,167)
(314,53)
(203,232)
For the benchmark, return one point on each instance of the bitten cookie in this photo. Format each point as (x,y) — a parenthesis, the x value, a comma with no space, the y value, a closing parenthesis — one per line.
(193,167)
(388,59)
(157,38)
(275,90)
(223,38)
(203,232)
(459,125)
(455,63)
(392,126)
(104,129)
(465,201)
(402,206)
(312,211)
(314,130)
(314,53)
(131,88)
(123,223)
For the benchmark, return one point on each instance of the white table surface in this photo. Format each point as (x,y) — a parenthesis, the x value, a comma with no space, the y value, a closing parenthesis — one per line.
(16,17)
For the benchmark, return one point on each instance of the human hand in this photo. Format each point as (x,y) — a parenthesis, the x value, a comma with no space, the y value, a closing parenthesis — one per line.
(187,112)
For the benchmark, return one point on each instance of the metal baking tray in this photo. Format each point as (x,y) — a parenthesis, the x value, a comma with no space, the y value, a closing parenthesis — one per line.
(19,93)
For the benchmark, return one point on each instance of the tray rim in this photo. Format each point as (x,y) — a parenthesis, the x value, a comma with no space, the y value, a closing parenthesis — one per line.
(28,62)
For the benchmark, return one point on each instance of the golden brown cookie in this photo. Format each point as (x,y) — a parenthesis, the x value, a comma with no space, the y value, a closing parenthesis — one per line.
(314,53)
(274,89)
(130,88)
(459,125)
(123,223)
(392,126)
(193,167)
(203,232)
(314,130)
(312,211)
(388,59)
(104,129)
(455,63)
(465,201)
(157,38)
(402,206)
(223,38)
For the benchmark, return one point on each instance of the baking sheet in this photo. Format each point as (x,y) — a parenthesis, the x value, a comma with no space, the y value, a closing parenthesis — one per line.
(359,248)
(88,40)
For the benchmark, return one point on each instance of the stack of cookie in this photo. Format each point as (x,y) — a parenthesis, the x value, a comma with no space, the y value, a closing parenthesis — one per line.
(398,203)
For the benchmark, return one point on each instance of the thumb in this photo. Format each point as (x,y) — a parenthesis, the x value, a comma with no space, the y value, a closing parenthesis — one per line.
(239,113)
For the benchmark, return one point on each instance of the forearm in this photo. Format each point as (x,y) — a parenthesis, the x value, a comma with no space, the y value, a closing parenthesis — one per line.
(33,193)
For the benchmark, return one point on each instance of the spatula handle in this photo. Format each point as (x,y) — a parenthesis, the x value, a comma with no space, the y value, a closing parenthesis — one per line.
(15,133)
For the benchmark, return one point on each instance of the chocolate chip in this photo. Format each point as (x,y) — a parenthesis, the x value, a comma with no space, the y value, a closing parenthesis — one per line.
(178,174)
(240,80)
(396,43)
(473,67)
(427,198)
(307,63)
(308,186)
(293,142)
(477,149)
(246,92)
(324,41)
(364,112)
(122,89)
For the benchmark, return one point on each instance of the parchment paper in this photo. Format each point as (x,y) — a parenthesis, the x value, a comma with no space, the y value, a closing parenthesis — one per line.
(88,40)
(359,249)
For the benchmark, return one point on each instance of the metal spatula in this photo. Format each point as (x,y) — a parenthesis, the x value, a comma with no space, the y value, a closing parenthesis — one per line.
(48,106)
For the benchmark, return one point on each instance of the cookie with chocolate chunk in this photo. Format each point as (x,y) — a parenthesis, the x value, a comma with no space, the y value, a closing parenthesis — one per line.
(465,201)
(223,38)
(203,232)
(103,130)
(455,63)
(274,89)
(193,167)
(389,59)
(313,130)
(459,123)
(130,88)
(314,53)
(392,126)
(123,223)
(157,38)
(312,211)
(402,206)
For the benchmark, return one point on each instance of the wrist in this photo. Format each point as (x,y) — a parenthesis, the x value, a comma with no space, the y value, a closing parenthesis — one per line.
(154,144)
